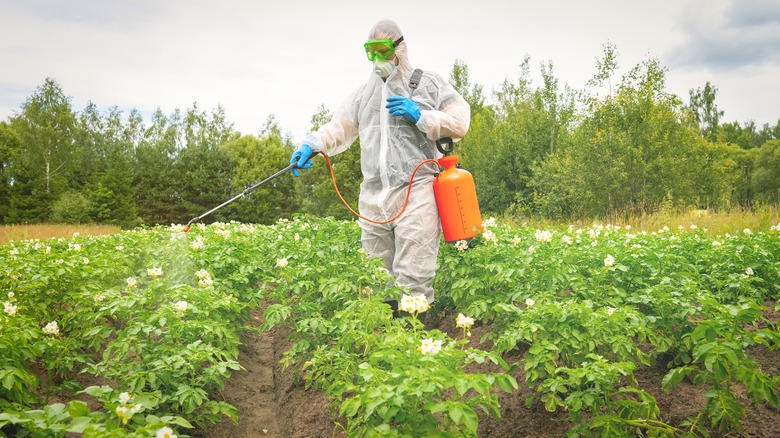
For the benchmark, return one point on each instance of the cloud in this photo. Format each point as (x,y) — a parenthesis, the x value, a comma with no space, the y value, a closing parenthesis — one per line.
(97,13)
(729,35)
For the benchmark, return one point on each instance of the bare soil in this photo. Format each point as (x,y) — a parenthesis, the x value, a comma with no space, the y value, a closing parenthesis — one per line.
(271,402)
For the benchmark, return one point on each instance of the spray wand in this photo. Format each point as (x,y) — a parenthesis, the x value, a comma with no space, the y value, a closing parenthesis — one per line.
(242,194)
(456,195)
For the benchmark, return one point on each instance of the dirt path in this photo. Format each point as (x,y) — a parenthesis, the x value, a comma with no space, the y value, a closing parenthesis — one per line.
(269,401)
(252,391)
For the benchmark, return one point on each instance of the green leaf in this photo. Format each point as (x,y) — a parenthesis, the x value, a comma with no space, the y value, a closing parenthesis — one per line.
(462,385)
(506,382)
(97,391)
(77,408)
(674,377)
(455,412)
(350,407)
(79,424)
(470,419)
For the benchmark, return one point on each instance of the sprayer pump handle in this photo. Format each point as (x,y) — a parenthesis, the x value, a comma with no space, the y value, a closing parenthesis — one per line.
(440,145)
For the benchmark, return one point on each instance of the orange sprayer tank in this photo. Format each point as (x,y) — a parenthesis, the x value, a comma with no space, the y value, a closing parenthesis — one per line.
(456,197)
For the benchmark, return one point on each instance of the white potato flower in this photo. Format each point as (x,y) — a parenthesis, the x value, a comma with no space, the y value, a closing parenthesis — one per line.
(52,329)
(463,321)
(413,304)
(182,306)
(543,236)
(124,414)
(155,272)
(197,243)
(125,397)
(430,347)
(166,432)
(461,245)
(609,261)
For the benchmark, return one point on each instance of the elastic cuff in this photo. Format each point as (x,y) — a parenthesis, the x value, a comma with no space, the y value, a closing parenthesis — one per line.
(421,122)
(313,142)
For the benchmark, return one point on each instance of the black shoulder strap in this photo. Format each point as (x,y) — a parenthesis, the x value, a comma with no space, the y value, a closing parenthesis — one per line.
(414,82)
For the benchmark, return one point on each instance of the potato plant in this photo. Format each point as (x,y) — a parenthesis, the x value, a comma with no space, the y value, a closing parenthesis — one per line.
(157,315)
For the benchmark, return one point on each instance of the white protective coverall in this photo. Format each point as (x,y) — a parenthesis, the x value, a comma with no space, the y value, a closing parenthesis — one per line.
(391,147)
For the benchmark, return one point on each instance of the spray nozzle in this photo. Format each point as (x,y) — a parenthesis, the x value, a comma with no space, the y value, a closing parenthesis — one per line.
(192,221)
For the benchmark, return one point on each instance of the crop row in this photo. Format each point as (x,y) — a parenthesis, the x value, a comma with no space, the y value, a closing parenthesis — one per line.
(156,315)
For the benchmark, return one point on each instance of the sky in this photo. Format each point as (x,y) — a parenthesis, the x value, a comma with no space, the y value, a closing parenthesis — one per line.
(286,59)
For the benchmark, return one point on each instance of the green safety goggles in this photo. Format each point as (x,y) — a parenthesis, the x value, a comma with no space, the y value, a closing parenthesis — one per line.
(381,49)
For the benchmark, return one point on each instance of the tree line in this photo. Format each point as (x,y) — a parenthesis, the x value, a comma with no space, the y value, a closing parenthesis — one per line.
(621,146)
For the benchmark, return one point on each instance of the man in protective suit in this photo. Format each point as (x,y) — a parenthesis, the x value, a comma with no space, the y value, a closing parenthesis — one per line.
(398,116)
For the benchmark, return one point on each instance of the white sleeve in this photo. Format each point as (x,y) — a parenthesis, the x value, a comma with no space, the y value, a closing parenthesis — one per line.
(340,132)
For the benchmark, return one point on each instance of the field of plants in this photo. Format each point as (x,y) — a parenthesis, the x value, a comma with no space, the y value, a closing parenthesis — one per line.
(155,316)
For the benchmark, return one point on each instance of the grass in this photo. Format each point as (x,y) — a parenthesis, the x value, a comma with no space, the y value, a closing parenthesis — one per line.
(10,233)
(713,222)
(709,221)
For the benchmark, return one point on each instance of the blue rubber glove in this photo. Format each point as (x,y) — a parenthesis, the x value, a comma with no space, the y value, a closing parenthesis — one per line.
(401,106)
(301,157)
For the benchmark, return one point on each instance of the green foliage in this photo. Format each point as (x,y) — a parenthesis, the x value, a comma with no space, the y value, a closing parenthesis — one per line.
(766,176)
(716,358)
(523,129)
(748,135)
(252,161)
(580,310)
(472,93)
(618,301)
(705,110)
(634,150)
(71,208)
(9,145)
(107,164)
(44,163)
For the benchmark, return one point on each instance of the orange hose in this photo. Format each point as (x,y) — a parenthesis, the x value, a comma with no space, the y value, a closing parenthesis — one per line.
(406,201)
